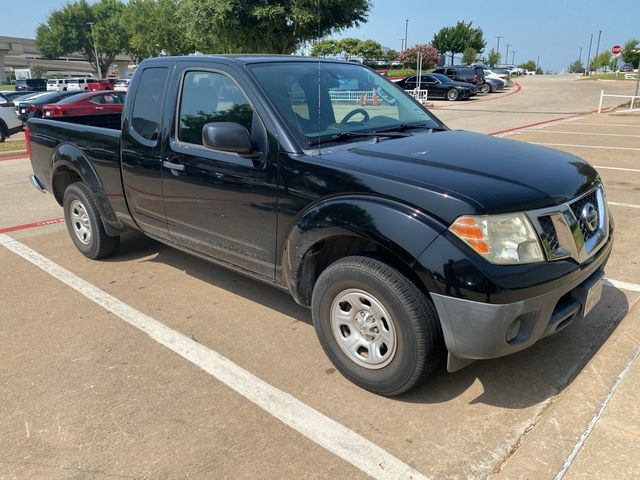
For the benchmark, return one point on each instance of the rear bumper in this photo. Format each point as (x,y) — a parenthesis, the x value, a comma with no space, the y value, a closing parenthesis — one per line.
(475,330)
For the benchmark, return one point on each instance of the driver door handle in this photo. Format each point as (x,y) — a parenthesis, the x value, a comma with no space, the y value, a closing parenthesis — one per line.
(173,166)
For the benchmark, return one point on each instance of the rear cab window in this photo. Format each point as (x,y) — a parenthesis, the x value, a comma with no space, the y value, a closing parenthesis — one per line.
(145,118)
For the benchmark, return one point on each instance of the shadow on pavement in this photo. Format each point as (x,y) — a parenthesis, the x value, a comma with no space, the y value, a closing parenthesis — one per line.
(515,382)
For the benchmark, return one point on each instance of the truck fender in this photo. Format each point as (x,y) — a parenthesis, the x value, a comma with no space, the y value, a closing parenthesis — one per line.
(69,157)
(400,229)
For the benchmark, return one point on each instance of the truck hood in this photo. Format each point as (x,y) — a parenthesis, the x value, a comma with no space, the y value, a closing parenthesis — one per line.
(486,174)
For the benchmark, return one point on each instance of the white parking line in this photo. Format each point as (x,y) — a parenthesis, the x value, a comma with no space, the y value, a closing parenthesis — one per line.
(326,432)
(605,147)
(583,438)
(584,133)
(608,124)
(618,168)
(632,287)
(627,205)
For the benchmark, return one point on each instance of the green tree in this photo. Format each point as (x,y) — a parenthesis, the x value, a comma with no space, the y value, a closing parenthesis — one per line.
(529,66)
(494,58)
(452,40)
(324,48)
(369,50)
(260,26)
(38,71)
(630,53)
(392,55)
(68,30)
(601,60)
(470,55)
(576,66)
(409,58)
(348,47)
(152,28)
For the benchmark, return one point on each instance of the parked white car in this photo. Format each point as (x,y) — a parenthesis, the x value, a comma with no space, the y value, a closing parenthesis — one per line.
(496,76)
(122,85)
(9,121)
(80,83)
(57,84)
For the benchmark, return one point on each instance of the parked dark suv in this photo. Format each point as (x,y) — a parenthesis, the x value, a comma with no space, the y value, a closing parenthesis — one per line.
(34,84)
(461,73)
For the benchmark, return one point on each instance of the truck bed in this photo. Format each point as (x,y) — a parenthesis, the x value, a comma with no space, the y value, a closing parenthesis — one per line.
(96,138)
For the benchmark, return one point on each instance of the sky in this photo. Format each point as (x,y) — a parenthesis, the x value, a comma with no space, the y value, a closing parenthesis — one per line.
(554,30)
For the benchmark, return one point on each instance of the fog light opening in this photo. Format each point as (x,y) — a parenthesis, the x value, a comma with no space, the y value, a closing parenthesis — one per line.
(513,331)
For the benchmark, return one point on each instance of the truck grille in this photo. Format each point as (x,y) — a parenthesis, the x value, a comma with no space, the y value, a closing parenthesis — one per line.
(576,229)
(548,235)
(576,208)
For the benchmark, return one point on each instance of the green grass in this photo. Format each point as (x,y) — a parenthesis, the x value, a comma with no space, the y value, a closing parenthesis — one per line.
(606,76)
(6,87)
(12,146)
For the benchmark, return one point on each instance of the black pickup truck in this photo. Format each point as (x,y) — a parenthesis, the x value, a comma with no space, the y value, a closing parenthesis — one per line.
(407,240)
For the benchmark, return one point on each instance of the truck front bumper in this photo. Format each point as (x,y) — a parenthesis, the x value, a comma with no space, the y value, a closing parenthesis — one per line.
(476,330)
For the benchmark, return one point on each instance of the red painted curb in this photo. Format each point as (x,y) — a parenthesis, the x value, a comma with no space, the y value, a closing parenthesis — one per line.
(566,117)
(41,223)
(14,157)
(518,88)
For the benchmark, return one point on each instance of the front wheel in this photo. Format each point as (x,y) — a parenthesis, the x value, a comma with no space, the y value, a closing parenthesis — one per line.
(84,223)
(377,328)
(452,95)
(485,88)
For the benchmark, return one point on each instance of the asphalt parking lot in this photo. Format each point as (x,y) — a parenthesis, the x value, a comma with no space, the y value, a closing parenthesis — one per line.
(153,364)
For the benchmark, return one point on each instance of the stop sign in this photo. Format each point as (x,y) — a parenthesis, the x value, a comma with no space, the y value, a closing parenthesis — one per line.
(616,49)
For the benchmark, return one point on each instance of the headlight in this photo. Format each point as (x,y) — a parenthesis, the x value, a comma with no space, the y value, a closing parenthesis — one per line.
(502,239)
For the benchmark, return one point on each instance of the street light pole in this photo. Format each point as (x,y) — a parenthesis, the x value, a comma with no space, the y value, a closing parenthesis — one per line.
(597,49)
(406,29)
(580,56)
(498,47)
(506,57)
(589,54)
(95,49)
(513,58)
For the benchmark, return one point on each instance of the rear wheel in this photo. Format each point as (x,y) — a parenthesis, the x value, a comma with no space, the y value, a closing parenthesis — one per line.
(3,132)
(485,88)
(85,225)
(377,328)
(453,95)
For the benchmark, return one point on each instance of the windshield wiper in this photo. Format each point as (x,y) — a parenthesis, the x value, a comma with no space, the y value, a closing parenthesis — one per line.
(347,135)
(408,126)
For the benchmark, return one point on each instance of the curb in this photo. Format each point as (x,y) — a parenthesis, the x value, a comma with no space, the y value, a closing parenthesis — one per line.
(517,89)
(14,155)
(552,120)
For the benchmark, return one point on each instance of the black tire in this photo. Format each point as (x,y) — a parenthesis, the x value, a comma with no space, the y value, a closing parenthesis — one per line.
(453,95)
(485,88)
(419,345)
(3,131)
(77,202)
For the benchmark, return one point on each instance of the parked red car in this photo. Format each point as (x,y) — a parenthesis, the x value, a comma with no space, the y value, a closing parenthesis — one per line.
(91,103)
(101,84)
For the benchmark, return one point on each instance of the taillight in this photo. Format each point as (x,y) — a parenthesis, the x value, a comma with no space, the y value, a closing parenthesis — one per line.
(32,108)
(27,140)
(475,78)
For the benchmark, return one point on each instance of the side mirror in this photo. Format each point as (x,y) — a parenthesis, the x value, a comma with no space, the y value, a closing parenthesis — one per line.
(227,136)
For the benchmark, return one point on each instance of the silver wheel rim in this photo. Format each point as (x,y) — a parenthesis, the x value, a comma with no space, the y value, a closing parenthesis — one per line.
(80,222)
(363,328)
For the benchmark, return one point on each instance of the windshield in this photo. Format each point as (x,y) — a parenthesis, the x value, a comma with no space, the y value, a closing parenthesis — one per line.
(322,100)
